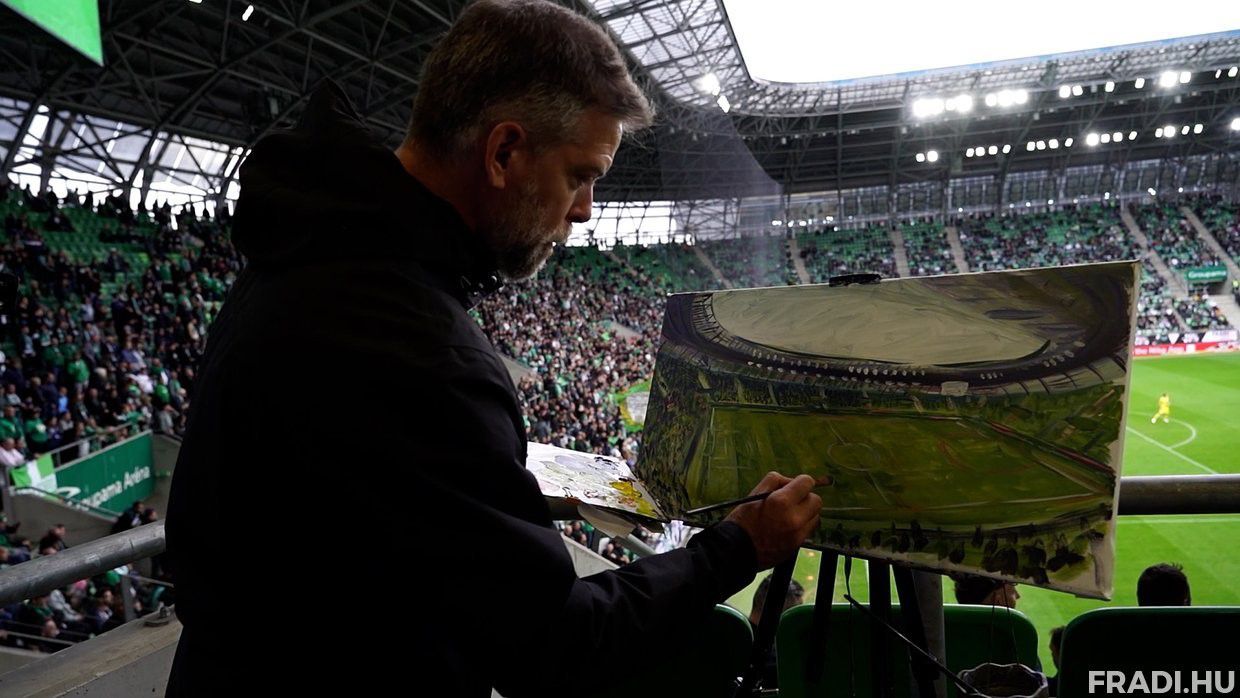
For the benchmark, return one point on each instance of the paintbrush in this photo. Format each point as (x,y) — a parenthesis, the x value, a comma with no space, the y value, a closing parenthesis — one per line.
(824,481)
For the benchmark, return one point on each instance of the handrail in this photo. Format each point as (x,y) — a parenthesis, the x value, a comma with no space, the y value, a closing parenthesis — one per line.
(1179,494)
(43,574)
(92,508)
(54,453)
(148,580)
(40,638)
(1143,495)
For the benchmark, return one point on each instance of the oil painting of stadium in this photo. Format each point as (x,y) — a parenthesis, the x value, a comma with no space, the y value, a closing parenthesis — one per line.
(968,423)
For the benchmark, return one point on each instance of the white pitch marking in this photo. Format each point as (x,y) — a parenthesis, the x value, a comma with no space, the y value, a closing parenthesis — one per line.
(1172,519)
(1174,452)
(1190,439)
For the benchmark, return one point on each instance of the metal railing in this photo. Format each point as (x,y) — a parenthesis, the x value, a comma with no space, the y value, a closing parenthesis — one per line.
(68,501)
(43,574)
(77,450)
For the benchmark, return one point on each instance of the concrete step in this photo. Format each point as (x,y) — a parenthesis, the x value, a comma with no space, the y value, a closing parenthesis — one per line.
(798,264)
(953,241)
(901,256)
(1174,281)
(710,264)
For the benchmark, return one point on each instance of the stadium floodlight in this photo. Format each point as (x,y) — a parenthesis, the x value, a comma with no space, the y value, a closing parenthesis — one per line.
(1109,87)
(1067,143)
(992,150)
(1235,124)
(1091,139)
(1030,145)
(1180,190)
(1053,143)
(1132,135)
(1168,78)
(709,84)
(1118,137)
(249,10)
(1184,130)
(1041,145)
(928,106)
(932,156)
(968,153)
(777,223)
(921,157)
(1077,91)
(1007,148)
(1106,195)
(1105,138)
(960,103)
(724,104)
(1185,76)
(1028,204)
(1158,132)
(1152,192)
(1138,83)
(1168,131)
(1198,128)
(1234,70)
(1050,202)
(1065,91)
(992,99)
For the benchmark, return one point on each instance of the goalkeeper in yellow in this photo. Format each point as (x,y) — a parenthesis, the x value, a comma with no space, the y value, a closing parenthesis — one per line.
(1164,409)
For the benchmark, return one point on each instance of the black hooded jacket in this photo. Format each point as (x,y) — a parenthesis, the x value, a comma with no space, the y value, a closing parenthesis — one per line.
(350,506)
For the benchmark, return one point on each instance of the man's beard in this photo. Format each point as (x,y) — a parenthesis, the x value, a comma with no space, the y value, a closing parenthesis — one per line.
(521,244)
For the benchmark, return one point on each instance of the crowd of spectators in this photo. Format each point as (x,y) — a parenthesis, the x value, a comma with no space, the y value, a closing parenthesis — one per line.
(670,268)
(106,334)
(927,249)
(586,330)
(752,262)
(1073,235)
(1173,238)
(1201,313)
(1222,219)
(839,252)
(1157,321)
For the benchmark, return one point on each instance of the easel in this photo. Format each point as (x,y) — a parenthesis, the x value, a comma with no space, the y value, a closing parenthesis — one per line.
(925,666)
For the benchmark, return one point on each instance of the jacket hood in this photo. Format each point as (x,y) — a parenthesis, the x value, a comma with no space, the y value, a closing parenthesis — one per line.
(328,189)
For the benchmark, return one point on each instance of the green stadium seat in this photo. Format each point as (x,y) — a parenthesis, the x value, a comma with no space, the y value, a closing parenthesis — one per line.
(1145,639)
(975,635)
(705,665)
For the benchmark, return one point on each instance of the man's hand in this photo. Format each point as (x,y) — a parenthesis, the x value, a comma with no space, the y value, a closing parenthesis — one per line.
(779,524)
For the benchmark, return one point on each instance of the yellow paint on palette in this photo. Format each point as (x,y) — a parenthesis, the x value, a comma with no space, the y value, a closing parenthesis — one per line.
(633,497)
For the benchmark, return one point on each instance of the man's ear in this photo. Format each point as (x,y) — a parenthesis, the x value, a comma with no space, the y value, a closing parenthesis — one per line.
(507,150)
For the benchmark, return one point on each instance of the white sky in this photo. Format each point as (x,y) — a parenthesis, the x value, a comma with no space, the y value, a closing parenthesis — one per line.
(824,41)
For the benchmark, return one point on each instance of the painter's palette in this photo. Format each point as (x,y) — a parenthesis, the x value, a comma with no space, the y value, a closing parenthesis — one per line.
(601,481)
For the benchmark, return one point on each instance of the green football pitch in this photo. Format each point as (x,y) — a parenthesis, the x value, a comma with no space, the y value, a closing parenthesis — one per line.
(1202,438)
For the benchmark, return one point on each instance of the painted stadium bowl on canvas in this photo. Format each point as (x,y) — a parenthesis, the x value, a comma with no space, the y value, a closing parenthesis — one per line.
(970,422)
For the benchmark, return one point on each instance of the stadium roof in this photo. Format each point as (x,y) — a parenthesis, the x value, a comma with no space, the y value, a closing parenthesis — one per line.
(177,70)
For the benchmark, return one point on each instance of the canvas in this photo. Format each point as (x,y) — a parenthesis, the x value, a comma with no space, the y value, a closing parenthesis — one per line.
(971,423)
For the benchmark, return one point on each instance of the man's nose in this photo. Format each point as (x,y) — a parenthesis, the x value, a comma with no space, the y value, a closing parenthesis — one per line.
(580,211)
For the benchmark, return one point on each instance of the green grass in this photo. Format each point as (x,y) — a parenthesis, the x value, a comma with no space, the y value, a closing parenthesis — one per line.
(1201,438)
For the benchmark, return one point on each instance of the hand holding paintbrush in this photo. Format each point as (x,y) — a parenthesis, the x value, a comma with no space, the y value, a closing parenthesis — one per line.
(824,481)
(778,515)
